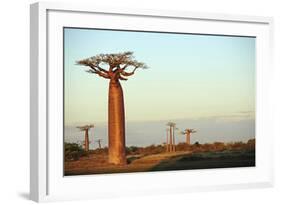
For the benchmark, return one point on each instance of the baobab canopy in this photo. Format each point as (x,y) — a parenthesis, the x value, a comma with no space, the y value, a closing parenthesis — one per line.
(117,65)
(171,124)
(85,127)
(189,131)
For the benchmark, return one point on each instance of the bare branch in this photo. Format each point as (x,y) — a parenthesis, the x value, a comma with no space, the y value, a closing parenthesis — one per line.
(122,78)
(124,67)
(92,67)
(95,67)
(101,69)
(91,71)
(129,73)
(105,75)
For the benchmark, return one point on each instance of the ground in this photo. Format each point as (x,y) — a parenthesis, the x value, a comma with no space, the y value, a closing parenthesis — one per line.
(181,160)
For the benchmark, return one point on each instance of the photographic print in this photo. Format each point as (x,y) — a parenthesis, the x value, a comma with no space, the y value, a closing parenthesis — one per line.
(142,101)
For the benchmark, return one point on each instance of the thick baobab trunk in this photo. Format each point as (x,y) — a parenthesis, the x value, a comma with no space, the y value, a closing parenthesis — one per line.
(116,124)
(188,138)
(86,140)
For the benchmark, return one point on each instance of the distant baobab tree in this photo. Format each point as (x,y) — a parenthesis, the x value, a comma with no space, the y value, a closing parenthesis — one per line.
(86,129)
(172,126)
(116,70)
(174,138)
(99,142)
(187,133)
(167,140)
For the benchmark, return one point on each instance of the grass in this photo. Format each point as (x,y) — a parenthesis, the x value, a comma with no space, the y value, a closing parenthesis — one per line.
(155,158)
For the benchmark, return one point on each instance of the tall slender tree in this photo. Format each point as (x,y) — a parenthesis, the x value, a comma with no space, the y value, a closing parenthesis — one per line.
(171,126)
(86,128)
(187,132)
(167,140)
(114,67)
(174,138)
(99,142)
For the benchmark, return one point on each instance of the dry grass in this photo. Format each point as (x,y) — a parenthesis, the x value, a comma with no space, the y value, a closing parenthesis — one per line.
(154,158)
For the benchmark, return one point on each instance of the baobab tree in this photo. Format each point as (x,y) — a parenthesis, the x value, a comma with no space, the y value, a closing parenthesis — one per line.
(86,129)
(174,138)
(187,133)
(99,142)
(167,140)
(114,67)
(172,126)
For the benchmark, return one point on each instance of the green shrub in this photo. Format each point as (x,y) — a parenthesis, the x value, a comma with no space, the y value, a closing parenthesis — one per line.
(73,151)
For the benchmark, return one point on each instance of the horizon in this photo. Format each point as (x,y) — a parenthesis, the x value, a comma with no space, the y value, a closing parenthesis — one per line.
(148,133)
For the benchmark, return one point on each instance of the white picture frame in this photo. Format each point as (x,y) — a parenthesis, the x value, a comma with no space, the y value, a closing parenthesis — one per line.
(47,182)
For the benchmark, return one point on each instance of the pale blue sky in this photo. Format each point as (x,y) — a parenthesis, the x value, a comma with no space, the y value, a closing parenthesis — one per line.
(189,76)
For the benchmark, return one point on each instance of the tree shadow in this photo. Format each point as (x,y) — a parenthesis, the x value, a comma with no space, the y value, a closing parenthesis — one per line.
(133,158)
(190,162)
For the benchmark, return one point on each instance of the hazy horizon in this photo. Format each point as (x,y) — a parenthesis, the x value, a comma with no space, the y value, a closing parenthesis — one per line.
(138,133)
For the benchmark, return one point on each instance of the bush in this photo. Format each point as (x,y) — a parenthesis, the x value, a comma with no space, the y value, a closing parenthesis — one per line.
(197,143)
(73,151)
(132,150)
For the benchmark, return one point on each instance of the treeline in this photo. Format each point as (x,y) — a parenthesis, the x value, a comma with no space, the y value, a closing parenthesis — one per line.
(74,151)
(196,147)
